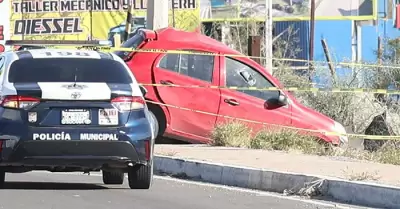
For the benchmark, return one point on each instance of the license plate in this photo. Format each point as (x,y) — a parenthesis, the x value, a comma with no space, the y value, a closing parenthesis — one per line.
(108,117)
(75,117)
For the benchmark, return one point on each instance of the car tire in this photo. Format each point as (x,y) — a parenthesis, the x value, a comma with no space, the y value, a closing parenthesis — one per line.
(2,178)
(156,125)
(113,177)
(140,177)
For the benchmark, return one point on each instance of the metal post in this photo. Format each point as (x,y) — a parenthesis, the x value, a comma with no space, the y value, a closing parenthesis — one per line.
(312,32)
(91,21)
(22,17)
(253,48)
(173,13)
(157,14)
(268,36)
(128,23)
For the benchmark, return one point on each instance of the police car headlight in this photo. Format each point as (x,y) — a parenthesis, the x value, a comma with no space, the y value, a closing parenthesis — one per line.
(339,128)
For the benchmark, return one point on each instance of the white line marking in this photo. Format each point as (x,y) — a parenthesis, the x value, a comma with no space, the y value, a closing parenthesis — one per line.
(256,192)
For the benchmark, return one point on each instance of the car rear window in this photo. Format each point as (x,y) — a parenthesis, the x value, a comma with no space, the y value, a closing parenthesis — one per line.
(133,42)
(68,70)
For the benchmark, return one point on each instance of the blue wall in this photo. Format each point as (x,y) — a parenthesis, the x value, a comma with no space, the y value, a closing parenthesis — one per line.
(339,39)
(337,34)
(370,34)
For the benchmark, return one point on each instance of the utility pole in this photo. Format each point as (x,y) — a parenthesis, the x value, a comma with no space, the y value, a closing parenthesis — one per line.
(157,14)
(268,36)
(312,32)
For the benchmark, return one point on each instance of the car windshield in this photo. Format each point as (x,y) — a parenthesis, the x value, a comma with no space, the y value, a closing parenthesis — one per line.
(132,43)
(68,70)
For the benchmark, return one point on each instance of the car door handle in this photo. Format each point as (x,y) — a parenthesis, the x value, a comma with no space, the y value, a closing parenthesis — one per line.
(231,102)
(166,82)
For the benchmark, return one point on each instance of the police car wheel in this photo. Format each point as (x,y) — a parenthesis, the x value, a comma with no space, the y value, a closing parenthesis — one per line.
(2,178)
(113,177)
(140,177)
(156,125)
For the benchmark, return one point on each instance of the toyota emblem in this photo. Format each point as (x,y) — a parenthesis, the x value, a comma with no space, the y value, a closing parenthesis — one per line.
(76,95)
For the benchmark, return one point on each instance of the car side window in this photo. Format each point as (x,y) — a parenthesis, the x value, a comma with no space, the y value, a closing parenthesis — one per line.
(241,75)
(196,66)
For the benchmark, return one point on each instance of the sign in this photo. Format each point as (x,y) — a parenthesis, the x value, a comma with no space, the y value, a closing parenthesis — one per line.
(82,136)
(75,117)
(108,117)
(84,19)
(4,23)
(99,137)
(288,10)
(51,136)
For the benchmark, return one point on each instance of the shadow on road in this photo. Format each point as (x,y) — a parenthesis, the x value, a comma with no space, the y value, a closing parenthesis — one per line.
(52,186)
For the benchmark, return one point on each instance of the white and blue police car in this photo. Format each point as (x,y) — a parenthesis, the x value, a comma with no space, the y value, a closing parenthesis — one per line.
(74,111)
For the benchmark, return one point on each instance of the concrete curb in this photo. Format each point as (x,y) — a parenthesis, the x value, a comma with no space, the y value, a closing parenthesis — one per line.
(352,192)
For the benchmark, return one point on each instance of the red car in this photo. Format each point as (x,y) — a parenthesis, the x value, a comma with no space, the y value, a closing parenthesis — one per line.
(273,107)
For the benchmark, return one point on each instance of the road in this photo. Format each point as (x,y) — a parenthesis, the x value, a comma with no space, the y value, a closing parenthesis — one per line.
(42,190)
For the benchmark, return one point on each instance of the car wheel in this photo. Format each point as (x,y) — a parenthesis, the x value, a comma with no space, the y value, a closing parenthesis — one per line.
(140,177)
(113,177)
(2,178)
(156,125)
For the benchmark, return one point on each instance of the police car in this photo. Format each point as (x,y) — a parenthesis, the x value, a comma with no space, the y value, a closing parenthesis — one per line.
(74,110)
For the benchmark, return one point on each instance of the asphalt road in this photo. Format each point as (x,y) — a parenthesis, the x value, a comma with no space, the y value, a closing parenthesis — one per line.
(40,190)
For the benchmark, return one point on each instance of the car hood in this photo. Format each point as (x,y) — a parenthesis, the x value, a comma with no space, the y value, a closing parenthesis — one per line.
(306,118)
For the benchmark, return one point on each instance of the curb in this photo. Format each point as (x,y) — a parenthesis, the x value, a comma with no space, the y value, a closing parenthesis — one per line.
(352,192)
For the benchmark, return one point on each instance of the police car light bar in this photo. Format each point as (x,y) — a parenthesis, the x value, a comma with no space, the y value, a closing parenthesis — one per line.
(58,42)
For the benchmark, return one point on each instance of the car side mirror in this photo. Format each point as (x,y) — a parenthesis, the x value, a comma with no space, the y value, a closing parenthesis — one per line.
(282,100)
(143,90)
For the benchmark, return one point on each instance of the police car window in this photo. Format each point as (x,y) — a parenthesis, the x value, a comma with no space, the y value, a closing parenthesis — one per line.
(67,70)
(196,66)
(242,75)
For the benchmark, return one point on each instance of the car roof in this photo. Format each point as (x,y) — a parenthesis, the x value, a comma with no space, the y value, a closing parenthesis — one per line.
(193,39)
(59,53)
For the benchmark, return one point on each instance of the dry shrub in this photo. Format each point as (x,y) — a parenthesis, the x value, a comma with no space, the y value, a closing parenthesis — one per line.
(234,134)
(237,134)
(286,140)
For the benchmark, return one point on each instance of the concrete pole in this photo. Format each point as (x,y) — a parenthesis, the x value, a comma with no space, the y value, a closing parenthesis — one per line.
(157,14)
(268,36)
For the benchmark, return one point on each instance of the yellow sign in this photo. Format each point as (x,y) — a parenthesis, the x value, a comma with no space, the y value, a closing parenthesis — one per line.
(88,19)
(287,10)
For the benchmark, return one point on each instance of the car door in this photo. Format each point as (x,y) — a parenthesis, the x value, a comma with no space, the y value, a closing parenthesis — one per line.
(189,70)
(247,103)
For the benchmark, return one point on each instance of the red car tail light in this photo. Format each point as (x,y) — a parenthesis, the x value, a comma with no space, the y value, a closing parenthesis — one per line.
(128,103)
(19,102)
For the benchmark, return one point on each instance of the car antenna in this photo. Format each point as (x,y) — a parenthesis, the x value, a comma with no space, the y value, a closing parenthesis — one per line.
(76,77)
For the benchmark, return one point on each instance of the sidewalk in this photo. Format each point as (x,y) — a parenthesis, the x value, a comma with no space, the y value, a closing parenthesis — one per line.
(286,162)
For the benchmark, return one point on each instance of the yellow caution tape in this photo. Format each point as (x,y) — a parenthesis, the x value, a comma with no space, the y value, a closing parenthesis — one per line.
(163,51)
(329,133)
(293,89)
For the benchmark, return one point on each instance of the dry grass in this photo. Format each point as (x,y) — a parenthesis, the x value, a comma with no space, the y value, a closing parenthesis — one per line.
(169,153)
(237,134)
(362,176)
(233,134)
(286,140)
